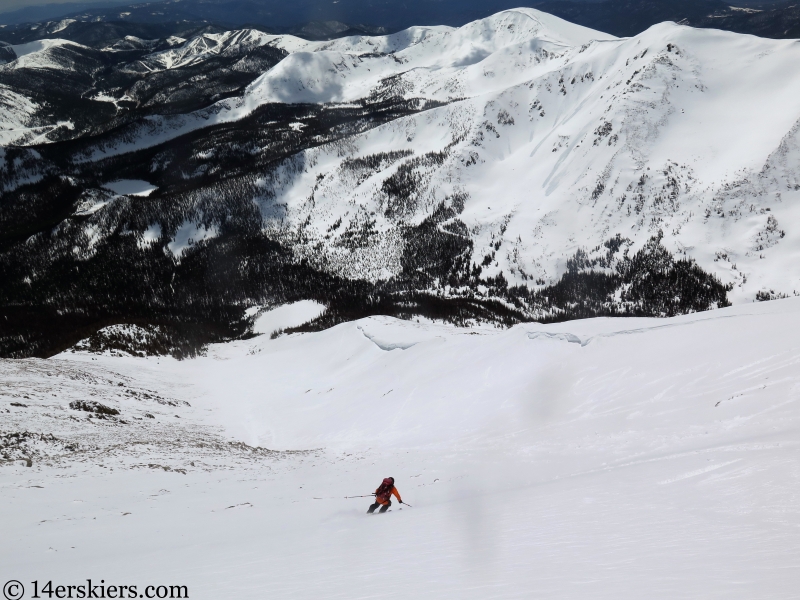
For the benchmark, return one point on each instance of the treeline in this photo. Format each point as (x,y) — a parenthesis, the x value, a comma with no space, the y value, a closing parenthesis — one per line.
(202,298)
(651,283)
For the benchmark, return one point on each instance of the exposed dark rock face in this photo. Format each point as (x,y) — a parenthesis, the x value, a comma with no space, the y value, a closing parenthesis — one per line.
(93,407)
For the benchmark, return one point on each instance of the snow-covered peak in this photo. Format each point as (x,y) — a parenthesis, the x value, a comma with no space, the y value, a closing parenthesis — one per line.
(485,35)
(512,27)
(417,47)
(431,47)
(438,62)
(207,45)
(39,54)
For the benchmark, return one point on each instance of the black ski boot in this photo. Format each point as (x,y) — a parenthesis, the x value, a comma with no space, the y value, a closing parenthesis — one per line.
(372,508)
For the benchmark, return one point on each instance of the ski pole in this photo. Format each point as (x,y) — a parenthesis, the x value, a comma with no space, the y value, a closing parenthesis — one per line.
(347,497)
(407,504)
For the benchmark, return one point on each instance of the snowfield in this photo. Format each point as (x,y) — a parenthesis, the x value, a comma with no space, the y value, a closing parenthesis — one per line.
(606,458)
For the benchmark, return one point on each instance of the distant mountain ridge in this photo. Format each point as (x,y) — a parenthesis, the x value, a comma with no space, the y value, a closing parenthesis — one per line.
(617,17)
(630,17)
(36,13)
(280,14)
(103,33)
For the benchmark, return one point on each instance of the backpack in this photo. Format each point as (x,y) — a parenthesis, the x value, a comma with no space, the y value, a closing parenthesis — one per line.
(384,492)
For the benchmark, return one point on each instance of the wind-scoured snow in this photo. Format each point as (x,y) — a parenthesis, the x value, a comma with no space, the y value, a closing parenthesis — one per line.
(606,458)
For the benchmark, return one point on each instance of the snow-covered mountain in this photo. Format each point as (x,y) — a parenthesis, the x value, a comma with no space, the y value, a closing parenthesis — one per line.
(559,142)
(519,159)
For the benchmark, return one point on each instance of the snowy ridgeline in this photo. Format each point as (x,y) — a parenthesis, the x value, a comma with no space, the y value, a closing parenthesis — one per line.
(606,458)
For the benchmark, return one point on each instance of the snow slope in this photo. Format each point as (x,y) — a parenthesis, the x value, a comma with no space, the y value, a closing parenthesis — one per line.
(39,54)
(16,112)
(602,458)
(19,122)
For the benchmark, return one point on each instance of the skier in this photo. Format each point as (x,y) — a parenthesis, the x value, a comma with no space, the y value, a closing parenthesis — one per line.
(383,495)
